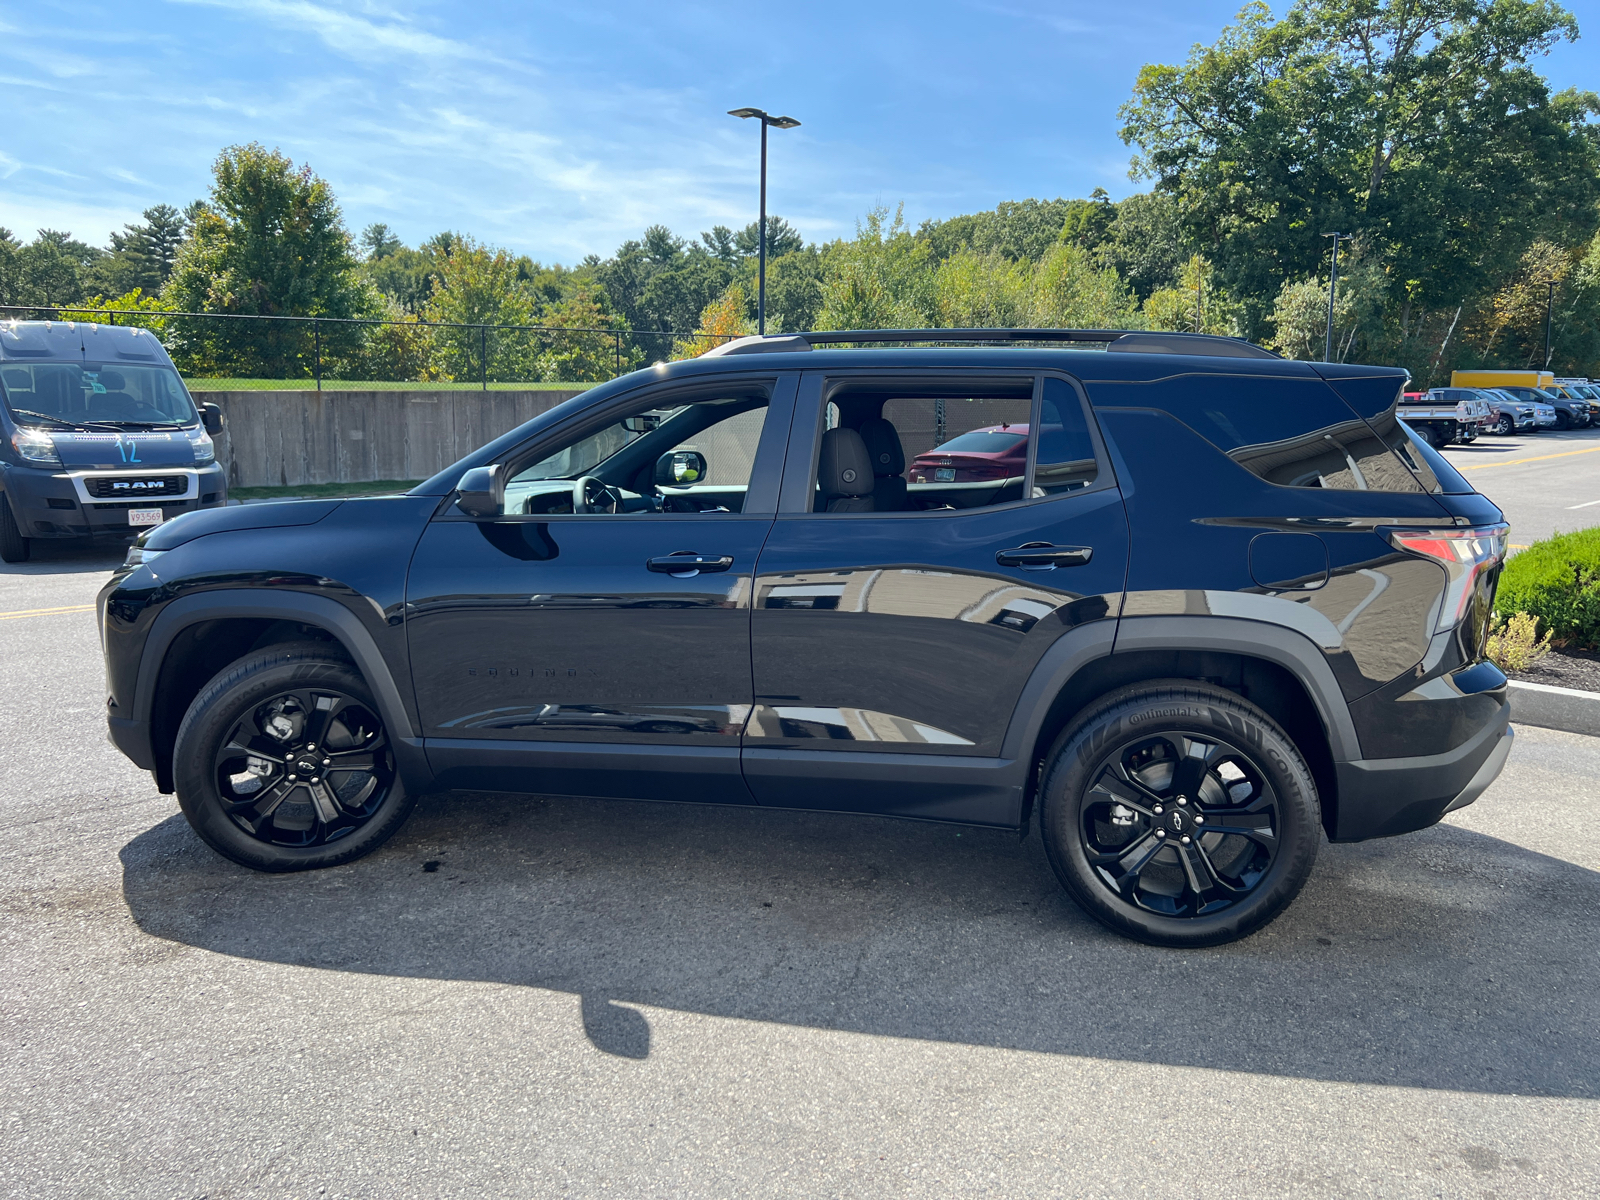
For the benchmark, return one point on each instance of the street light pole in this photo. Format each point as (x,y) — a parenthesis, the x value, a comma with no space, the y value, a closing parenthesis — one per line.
(1549,315)
(1333,285)
(761,222)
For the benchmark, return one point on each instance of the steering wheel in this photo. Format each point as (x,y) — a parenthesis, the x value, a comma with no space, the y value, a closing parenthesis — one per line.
(591,495)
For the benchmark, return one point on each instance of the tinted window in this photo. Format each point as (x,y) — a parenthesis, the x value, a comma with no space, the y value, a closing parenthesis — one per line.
(1290,432)
(122,394)
(925,453)
(1065,460)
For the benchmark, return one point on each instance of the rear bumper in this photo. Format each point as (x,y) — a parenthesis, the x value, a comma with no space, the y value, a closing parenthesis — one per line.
(1383,797)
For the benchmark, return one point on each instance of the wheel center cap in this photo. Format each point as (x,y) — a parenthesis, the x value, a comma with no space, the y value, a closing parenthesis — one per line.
(307,767)
(1177,821)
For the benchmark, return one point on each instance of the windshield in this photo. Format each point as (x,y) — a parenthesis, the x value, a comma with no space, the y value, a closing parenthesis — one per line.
(980,441)
(68,394)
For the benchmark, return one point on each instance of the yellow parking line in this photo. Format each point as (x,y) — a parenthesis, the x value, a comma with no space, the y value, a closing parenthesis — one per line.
(1517,462)
(45,612)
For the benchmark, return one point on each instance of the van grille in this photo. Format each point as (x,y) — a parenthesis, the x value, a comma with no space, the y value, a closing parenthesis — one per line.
(130,487)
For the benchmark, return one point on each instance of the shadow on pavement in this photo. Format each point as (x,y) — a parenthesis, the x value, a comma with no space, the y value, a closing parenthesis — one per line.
(1446,959)
(70,556)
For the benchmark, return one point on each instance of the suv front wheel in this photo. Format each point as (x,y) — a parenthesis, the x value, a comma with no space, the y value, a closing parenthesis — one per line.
(1179,814)
(282,762)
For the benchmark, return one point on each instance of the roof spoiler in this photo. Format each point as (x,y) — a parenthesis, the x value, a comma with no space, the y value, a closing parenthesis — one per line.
(1121,340)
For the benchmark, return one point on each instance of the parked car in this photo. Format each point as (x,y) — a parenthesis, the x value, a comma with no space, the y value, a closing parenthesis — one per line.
(1227,606)
(1511,414)
(98,435)
(979,455)
(1566,411)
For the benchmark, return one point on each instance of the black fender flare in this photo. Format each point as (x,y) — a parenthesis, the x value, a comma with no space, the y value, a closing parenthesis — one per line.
(321,611)
(1278,644)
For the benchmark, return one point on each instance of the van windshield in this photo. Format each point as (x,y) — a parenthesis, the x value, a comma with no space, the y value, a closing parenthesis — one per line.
(96,394)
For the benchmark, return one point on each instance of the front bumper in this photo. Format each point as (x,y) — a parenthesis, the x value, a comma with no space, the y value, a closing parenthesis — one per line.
(1382,797)
(60,504)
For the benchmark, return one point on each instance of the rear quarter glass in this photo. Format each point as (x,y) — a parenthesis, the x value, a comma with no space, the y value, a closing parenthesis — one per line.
(1294,432)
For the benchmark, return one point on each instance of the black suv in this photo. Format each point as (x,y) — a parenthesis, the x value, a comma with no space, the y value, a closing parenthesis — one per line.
(1219,605)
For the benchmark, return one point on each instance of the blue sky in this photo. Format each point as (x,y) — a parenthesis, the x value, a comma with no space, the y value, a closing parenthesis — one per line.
(560,130)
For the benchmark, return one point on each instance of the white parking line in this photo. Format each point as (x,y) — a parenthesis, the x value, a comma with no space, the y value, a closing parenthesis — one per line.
(1585,504)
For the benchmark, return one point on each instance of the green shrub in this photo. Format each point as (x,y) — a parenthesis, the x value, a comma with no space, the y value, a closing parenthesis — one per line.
(1557,581)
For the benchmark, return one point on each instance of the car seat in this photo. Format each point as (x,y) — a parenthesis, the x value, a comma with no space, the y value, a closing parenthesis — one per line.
(888,465)
(844,472)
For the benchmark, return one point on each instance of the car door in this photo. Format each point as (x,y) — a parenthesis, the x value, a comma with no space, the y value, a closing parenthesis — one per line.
(896,624)
(567,651)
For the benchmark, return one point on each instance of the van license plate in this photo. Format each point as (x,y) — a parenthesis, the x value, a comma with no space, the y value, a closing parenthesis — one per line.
(144,516)
(944,474)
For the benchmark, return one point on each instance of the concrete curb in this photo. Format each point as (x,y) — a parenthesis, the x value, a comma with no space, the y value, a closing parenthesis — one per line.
(1555,707)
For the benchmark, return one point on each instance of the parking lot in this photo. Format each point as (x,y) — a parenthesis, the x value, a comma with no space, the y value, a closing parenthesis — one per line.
(524,996)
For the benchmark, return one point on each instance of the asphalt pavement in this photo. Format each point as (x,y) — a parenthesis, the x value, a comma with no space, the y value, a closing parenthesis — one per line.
(1545,483)
(522,996)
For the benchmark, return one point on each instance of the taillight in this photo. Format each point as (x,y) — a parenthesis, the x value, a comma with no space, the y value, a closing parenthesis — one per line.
(1465,554)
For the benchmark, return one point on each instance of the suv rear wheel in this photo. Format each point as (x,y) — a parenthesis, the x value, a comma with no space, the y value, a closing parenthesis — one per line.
(282,762)
(1179,814)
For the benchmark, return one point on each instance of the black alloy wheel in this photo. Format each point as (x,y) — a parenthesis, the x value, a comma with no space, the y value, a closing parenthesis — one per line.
(14,548)
(1563,419)
(283,763)
(1179,814)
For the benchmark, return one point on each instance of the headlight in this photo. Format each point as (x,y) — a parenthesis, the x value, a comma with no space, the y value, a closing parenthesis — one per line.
(138,556)
(35,446)
(205,451)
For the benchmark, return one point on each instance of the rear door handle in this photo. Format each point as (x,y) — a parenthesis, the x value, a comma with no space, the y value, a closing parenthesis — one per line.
(1042,556)
(686,564)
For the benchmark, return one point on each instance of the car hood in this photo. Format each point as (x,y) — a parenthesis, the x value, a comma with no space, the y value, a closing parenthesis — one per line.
(199,523)
(129,451)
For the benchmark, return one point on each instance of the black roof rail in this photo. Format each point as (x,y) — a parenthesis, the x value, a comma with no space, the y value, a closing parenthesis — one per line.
(1139,341)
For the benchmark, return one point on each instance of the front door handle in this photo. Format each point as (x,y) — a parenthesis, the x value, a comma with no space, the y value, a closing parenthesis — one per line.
(1042,556)
(686,564)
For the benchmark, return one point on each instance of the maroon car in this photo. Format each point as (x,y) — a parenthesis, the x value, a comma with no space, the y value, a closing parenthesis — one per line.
(993,452)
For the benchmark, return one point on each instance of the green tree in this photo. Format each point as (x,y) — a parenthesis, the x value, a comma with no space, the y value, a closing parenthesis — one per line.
(881,280)
(794,290)
(1014,229)
(1072,291)
(979,291)
(1147,244)
(479,286)
(1417,123)
(270,241)
(142,254)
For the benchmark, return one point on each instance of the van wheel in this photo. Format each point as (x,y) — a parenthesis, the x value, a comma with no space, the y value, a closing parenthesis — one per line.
(1179,814)
(14,547)
(282,762)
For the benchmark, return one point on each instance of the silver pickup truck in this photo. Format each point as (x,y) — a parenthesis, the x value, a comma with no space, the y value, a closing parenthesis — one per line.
(1445,415)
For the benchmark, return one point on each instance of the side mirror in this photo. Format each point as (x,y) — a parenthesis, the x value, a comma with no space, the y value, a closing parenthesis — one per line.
(211,418)
(679,468)
(481,492)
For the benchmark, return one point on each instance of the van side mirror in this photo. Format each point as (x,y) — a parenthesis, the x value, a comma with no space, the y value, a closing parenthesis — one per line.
(679,468)
(211,418)
(481,492)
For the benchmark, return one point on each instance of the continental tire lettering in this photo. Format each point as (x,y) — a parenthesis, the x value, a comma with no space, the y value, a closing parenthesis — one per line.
(1162,714)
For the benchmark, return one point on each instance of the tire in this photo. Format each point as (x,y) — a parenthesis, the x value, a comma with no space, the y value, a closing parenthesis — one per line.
(1563,421)
(1505,426)
(1108,787)
(14,548)
(237,753)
